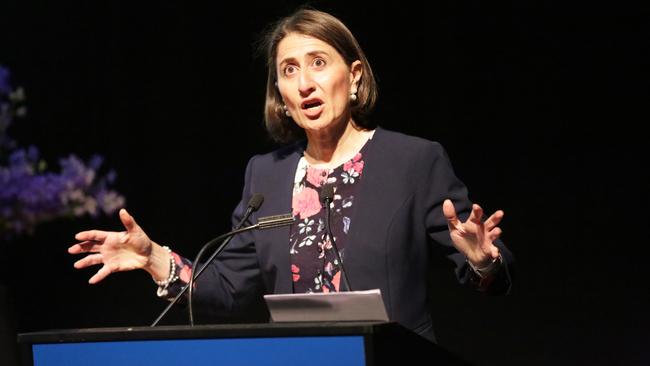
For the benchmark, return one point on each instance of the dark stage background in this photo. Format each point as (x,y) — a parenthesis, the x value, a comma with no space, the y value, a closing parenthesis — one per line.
(539,104)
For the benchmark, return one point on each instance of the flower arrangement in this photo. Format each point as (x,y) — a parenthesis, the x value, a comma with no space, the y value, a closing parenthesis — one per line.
(31,194)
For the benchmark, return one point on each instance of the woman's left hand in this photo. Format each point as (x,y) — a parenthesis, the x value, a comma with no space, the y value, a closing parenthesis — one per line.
(474,238)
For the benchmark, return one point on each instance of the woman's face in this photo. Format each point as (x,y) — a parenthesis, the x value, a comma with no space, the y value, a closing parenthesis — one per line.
(315,82)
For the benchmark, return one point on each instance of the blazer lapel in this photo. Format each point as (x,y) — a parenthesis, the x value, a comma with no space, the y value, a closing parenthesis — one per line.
(364,229)
(278,188)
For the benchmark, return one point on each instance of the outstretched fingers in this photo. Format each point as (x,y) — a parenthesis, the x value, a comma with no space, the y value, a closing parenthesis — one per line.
(493,220)
(92,235)
(101,274)
(128,221)
(494,234)
(88,261)
(476,214)
(88,246)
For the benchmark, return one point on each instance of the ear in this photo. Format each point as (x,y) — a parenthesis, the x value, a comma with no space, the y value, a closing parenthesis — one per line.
(356,70)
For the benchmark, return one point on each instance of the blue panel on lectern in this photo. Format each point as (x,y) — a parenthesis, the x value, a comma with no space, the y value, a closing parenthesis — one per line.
(312,351)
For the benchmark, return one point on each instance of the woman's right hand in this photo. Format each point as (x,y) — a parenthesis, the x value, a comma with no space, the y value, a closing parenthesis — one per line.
(118,251)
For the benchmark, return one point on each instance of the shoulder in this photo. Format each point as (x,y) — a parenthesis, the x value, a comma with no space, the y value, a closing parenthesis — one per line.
(279,157)
(400,145)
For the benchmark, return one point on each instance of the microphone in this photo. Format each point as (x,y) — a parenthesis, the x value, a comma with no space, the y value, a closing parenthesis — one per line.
(326,197)
(254,204)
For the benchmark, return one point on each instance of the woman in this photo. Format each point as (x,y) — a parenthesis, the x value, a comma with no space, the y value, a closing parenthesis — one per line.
(395,196)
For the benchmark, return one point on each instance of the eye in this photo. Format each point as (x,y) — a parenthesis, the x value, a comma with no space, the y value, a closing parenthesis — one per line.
(289,69)
(318,62)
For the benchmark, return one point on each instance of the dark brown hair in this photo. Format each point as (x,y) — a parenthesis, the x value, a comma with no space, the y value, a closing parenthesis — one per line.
(329,29)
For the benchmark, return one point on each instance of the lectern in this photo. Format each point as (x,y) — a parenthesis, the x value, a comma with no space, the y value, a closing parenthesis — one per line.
(282,344)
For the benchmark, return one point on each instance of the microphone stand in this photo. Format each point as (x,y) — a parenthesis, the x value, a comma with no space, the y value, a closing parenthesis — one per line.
(327,198)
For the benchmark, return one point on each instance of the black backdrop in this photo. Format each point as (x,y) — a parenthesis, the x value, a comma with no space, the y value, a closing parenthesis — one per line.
(537,103)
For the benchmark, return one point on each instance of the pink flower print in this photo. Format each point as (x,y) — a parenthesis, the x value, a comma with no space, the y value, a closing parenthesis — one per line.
(185,270)
(177,259)
(316,176)
(306,203)
(328,243)
(185,274)
(336,281)
(324,245)
(355,164)
(294,271)
(329,268)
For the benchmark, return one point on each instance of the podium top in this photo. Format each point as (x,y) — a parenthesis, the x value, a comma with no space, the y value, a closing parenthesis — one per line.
(210,331)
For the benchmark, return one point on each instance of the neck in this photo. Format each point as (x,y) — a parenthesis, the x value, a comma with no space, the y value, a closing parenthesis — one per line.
(332,147)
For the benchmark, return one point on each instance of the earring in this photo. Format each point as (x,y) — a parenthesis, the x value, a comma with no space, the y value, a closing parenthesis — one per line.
(286,110)
(353,95)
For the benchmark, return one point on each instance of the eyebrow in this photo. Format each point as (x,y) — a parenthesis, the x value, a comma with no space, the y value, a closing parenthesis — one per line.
(310,53)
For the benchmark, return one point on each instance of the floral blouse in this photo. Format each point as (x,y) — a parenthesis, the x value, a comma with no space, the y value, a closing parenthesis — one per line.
(314,264)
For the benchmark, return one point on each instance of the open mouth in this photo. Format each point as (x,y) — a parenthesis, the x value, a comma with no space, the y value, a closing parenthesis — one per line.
(311,104)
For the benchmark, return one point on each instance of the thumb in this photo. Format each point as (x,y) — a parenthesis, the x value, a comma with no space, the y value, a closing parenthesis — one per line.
(450,212)
(127,220)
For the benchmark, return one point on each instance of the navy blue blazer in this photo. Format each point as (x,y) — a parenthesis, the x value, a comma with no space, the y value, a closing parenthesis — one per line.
(397,219)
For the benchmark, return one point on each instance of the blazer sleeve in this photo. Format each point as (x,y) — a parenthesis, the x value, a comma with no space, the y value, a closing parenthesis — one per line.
(439,184)
(233,283)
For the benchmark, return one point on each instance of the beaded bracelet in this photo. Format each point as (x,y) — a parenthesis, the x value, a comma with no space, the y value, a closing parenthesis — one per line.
(172,271)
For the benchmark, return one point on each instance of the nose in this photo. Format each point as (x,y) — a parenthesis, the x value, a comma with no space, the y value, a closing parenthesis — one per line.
(306,84)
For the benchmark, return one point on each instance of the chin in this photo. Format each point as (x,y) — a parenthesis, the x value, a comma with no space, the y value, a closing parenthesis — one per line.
(322,123)
(318,124)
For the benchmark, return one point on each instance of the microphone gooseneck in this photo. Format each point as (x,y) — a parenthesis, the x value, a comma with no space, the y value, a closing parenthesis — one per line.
(327,197)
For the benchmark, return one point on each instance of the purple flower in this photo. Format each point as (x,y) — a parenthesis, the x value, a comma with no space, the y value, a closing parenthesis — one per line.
(109,201)
(32,154)
(95,162)
(110,176)
(76,172)
(30,195)
(5,86)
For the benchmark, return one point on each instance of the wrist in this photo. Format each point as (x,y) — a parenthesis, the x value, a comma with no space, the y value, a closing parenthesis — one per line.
(486,268)
(158,264)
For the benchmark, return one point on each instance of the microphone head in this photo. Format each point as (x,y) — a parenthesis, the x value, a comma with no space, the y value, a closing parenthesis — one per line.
(256,201)
(327,194)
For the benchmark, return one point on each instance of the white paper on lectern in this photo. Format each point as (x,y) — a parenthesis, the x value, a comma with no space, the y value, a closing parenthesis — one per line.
(333,306)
